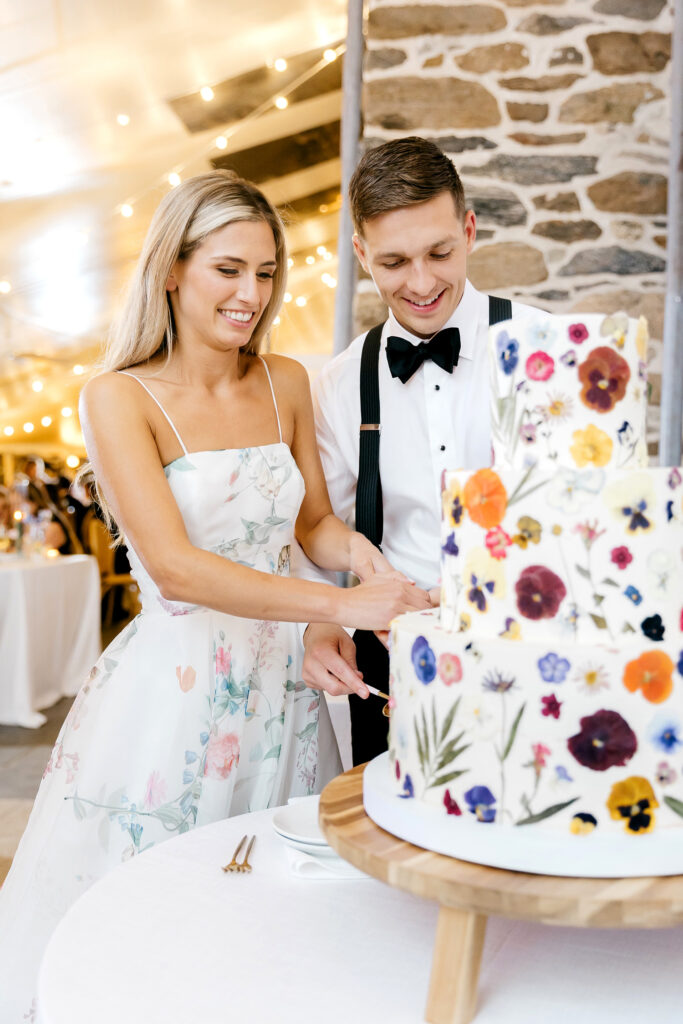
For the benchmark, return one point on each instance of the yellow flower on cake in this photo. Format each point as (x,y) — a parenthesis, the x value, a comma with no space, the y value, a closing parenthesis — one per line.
(642,338)
(451,499)
(631,500)
(633,801)
(592,446)
(484,578)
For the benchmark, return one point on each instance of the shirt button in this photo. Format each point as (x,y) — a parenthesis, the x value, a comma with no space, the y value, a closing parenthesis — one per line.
(443,447)
(437,387)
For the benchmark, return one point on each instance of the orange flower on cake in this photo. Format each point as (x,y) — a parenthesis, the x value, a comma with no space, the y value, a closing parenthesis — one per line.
(604,376)
(651,673)
(485,498)
(592,446)
(633,801)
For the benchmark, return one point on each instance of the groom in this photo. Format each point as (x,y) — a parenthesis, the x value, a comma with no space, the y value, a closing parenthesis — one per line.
(404,402)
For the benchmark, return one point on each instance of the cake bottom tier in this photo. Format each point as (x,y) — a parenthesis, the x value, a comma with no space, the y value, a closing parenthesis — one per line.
(556,759)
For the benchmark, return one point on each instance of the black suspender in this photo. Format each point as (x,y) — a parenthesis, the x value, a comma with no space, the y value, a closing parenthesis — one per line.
(369,512)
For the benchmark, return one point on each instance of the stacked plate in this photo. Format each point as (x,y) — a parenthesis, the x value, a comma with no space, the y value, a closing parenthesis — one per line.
(297,825)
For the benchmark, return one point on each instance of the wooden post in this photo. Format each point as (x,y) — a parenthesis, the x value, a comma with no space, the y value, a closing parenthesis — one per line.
(455,967)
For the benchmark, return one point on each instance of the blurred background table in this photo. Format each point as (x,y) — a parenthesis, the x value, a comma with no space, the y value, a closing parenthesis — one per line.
(49,632)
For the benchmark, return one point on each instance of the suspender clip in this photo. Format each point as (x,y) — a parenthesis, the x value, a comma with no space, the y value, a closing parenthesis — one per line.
(370,426)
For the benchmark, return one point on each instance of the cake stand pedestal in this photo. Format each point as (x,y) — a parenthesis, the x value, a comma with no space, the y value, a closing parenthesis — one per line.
(468,893)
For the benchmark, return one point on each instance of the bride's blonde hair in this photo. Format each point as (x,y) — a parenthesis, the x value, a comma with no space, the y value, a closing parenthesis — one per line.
(184,218)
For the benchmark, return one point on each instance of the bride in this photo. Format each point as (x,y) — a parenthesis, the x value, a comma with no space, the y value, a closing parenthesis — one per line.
(205,458)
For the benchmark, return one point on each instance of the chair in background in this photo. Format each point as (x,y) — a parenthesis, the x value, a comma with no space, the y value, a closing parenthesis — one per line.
(99,543)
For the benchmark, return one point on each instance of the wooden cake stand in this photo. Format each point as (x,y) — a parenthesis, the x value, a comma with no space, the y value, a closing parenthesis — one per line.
(468,893)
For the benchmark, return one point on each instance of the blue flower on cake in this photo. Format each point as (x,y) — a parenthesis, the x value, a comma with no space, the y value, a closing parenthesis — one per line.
(542,334)
(604,741)
(424,660)
(480,801)
(496,682)
(408,789)
(569,359)
(679,666)
(507,352)
(453,509)
(450,547)
(665,732)
(631,501)
(561,774)
(653,628)
(486,576)
(553,668)
(633,594)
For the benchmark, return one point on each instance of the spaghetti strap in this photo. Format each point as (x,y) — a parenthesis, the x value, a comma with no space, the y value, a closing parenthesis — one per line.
(272,391)
(154,399)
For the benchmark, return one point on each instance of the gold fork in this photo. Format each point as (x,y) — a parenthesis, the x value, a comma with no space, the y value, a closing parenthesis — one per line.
(233,865)
(245,865)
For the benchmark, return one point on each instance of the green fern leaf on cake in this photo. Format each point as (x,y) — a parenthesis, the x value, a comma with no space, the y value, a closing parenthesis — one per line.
(549,811)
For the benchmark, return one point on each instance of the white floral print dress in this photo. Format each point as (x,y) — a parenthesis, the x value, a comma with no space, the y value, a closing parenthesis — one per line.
(189,716)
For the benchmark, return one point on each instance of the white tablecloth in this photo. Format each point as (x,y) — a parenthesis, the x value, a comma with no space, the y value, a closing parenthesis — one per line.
(169,939)
(49,632)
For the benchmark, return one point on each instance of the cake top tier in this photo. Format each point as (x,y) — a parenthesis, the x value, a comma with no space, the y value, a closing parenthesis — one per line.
(569,391)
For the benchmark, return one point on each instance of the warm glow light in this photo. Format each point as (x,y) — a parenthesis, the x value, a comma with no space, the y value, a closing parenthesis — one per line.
(276,321)
(321,250)
(206,93)
(37,385)
(28,428)
(123,119)
(126,210)
(73,461)
(174,179)
(300,301)
(67,411)
(290,262)
(280,64)
(46,421)
(8,431)
(329,55)
(18,516)
(78,369)
(310,260)
(5,287)
(52,553)
(281,102)
(330,281)
(328,256)
(221,142)
(323,207)
(288,297)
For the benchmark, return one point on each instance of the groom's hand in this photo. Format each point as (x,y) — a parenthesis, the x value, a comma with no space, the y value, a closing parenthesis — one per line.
(330,661)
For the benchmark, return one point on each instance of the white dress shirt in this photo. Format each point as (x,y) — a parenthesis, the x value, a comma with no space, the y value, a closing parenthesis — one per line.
(436,421)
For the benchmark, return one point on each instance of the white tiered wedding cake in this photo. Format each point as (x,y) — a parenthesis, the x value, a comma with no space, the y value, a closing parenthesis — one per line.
(537,716)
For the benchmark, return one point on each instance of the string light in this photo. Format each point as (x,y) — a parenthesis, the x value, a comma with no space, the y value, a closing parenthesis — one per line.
(73,461)
(5,287)
(37,385)
(321,250)
(206,93)
(290,263)
(330,281)
(126,210)
(310,260)
(276,321)
(327,256)
(67,411)
(46,421)
(280,64)
(300,300)
(281,102)
(329,55)
(28,428)
(287,297)
(221,142)
(123,119)
(78,369)
(174,179)
(8,431)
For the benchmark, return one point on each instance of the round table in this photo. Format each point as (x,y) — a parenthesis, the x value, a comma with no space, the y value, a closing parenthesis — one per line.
(168,938)
(49,632)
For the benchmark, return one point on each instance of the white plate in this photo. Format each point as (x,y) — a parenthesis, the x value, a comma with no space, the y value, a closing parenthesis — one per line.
(313,849)
(298,822)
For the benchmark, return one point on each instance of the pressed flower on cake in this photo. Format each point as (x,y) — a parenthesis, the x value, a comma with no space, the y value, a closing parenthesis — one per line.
(424,660)
(633,801)
(604,741)
(485,498)
(539,592)
(651,673)
(631,501)
(591,446)
(553,668)
(604,376)
(484,577)
(540,366)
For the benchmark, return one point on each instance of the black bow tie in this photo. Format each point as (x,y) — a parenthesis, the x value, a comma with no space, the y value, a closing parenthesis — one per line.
(404,359)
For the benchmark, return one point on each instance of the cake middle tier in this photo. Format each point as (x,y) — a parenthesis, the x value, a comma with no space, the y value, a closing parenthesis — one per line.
(541,555)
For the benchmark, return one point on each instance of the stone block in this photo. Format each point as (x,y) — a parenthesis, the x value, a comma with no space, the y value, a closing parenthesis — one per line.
(615,104)
(383,57)
(434,19)
(546,83)
(413,103)
(565,55)
(533,3)
(613,259)
(506,264)
(626,53)
(535,170)
(545,25)
(567,230)
(635,303)
(552,295)
(433,62)
(496,206)
(562,202)
(504,57)
(642,10)
(531,139)
(527,111)
(659,240)
(627,230)
(631,192)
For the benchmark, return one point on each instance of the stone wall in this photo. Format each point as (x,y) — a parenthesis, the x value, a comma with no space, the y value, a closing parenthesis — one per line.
(557,115)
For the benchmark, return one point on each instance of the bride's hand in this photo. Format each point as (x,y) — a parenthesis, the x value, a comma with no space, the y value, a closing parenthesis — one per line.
(379,599)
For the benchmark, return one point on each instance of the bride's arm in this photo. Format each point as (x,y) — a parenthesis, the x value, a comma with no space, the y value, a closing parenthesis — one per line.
(126,461)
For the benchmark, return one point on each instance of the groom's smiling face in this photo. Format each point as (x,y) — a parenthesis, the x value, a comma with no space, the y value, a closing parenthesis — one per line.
(417,256)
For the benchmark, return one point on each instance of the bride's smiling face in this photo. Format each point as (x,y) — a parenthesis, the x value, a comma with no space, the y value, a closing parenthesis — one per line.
(220,291)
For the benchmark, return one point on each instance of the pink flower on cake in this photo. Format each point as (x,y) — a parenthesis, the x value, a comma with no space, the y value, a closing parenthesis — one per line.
(539,592)
(449,668)
(223,661)
(540,366)
(222,755)
(577,333)
(665,774)
(621,556)
(541,752)
(450,804)
(497,540)
(551,706)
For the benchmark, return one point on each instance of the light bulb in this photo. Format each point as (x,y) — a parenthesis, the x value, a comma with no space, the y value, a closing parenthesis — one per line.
(8,431)
(206,93)
(67,411)
(28,428)
(5,287)
(281,102)
(78,369)
(126,210)
(221,142)
(73,461)
(310,260)
(276,321)
(321,250)
(46,421)
(123,119)
(287,297)
(329,55)
(174,179)
(280,64)
(37,385)
(300,301)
